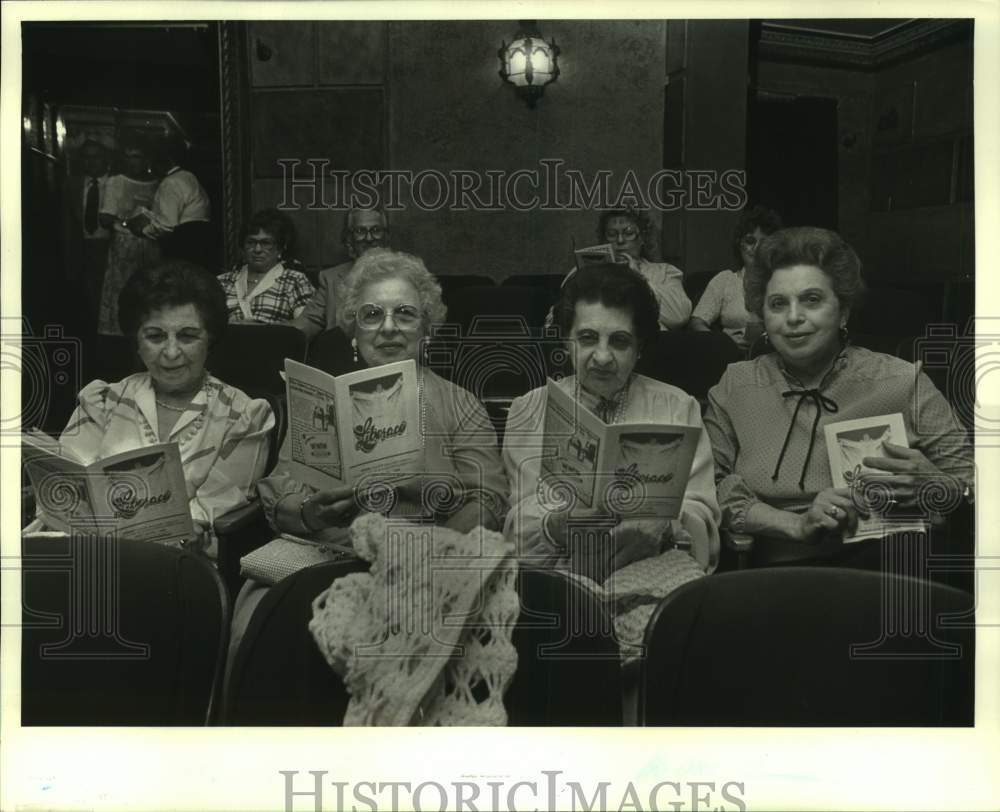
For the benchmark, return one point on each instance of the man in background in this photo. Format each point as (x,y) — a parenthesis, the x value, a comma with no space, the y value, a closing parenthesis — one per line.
(364,229)
(86,241)
(179,218)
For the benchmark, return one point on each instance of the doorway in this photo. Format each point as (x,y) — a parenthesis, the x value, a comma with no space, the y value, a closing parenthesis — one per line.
(100,82)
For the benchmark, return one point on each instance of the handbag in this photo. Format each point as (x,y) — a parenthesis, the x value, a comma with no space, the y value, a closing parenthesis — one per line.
(288,554)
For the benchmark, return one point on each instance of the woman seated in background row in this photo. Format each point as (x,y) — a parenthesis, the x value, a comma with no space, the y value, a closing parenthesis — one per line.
(608,313)
(766,416)
(265,289)
(723,300)
(175,312)
(630,233)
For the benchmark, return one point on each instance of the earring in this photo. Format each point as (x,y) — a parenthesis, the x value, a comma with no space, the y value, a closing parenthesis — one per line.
(354,347)
(843,333)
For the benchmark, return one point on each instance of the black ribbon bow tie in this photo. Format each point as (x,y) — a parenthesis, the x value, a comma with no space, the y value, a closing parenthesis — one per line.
(821,402)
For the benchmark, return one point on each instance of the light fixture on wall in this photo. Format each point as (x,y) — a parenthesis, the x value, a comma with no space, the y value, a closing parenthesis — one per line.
(529,63)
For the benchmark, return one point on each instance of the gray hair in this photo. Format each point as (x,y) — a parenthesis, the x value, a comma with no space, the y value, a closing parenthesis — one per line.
(345,232)
(384,263)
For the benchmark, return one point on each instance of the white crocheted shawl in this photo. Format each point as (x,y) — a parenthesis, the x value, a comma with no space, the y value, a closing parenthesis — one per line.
(424,638)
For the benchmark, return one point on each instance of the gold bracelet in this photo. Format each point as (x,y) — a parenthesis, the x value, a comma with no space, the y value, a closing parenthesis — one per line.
(302,515)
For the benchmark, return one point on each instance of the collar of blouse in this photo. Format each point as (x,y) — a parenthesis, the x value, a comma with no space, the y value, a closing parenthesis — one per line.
(610,410)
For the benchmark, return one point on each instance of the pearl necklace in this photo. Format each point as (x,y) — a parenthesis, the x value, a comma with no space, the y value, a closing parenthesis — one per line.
(172,408)
(187,405)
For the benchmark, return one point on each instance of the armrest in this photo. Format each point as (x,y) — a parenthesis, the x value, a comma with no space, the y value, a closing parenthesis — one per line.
(239,532)
(238,519)
(738,542)
(736,550)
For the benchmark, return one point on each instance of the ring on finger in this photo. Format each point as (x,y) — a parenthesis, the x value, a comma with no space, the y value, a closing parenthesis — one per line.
(833,511)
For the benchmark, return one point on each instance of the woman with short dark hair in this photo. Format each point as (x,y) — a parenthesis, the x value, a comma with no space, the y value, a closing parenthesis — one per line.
(766,416)
(614,289)
(723,300)
(815,247)
(266,289)
(608,314)
(175,312)
(631,234)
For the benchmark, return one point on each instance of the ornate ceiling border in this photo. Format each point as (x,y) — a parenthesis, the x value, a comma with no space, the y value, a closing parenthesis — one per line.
(787,44)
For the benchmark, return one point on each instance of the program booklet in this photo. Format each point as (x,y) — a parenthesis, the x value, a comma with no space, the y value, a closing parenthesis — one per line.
(630,470)
(344,429)
(142,493)
(847,444)
(597,255)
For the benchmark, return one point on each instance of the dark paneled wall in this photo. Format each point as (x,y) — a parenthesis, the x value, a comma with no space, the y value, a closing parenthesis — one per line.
(922,168)
(443,107)
(905,159)
(706,115)
(603,113)
(317,93)
(852,90)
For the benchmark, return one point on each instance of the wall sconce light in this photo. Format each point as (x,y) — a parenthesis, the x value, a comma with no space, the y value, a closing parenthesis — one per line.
(529,63)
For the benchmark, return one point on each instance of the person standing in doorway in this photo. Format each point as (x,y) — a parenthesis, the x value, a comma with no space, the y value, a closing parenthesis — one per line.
(179,219)
(86,241)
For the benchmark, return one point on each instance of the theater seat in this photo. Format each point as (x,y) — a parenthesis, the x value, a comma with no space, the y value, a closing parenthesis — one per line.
(810,646)
(497,310)
(546,284)
(450,283)
(695,284)
(251,356)
(691,360)
(119,632)
(331,352)
(568,669)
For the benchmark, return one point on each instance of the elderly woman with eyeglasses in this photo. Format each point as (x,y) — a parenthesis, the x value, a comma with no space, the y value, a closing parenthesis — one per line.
(266,289)
(630,233)
(389,301)
(723,301)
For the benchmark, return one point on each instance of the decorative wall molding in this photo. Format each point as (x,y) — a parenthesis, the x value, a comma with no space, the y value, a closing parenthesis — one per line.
(235,125)
(790,44)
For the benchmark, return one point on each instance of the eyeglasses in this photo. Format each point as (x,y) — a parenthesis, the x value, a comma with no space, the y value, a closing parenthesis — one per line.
(629,233)
(372,316)
(375,232)
(266,244)
(749,240)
